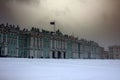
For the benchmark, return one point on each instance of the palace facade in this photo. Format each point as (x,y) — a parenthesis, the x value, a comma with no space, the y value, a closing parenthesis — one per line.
(36,43)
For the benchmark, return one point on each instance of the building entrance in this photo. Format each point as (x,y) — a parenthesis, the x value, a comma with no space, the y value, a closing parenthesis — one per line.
(64,55)
(53,54)
(59,54)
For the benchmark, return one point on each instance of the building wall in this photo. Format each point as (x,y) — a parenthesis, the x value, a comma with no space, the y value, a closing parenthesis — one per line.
(11,44)
(114,52)
(89,49)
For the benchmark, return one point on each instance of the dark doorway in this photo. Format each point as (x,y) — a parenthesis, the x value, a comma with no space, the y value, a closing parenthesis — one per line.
(59,54)
(53,54)
(64,55)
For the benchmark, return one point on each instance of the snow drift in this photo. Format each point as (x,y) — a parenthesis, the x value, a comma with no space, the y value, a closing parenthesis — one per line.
(58,69)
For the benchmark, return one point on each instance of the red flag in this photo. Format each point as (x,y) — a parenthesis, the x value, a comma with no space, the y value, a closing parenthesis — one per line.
(52,23)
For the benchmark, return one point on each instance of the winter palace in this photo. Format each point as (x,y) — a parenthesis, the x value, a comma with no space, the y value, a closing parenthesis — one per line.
(35,43)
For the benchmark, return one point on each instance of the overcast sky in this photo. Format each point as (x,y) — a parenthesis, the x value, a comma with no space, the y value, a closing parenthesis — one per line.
(97,20)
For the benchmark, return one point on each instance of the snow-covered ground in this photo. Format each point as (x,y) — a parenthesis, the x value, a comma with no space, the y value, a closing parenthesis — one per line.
(59,69)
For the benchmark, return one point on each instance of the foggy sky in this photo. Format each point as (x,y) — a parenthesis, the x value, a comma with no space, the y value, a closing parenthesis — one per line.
(97,20)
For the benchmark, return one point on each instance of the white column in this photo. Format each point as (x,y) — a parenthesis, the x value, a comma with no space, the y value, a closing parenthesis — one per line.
(31,53)
(35,42)
(62,55)
(58,44)
(5,50)
(56,54)
(65,45)
(39,42)
(55,44)
(35,54)
(31,42)
(51,42)
(61,44)
(5,46)
(42,54)
(1,37)
(17,44)
(50,55)
(42,43)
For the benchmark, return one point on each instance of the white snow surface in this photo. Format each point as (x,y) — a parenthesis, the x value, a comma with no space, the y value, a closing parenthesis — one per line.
(58,69)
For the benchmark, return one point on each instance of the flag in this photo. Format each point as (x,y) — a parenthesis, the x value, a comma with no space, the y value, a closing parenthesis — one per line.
(52,23)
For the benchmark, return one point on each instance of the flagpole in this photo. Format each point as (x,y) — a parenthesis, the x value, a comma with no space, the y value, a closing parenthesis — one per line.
(54,26)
